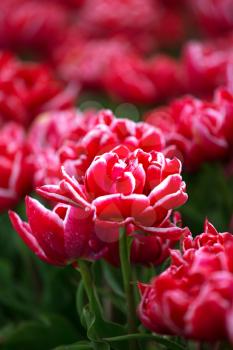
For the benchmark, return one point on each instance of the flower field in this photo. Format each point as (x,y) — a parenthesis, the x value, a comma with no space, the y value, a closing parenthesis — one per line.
(116,175)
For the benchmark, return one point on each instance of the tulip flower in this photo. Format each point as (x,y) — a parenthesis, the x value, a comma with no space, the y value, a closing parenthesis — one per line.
(193,298)
(125,187)
(194,129)
(59,236)
(16,172)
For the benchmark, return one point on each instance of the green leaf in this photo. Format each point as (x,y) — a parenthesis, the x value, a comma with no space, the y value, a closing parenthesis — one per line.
(97,328)
(6,331)
(80,296)
(92,315)
(45,334)
(113,278)
(82,345)
(145,337)
(210,195)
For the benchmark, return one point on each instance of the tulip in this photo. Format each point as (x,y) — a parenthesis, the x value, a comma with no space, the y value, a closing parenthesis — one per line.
(125,187)
(193,298)
(27,89)
(16,172)
(59,236)
(73,139)
(194,130)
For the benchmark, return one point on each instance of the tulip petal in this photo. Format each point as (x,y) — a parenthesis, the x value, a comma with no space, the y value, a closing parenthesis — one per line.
(78,230)
(47,228)
(170,185)
(173,232)
(117,207)
(24,231)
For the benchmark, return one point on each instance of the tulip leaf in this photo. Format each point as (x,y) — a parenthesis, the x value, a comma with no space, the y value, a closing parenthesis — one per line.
(81,345)
(171,345)
(6,331)
(46,333)
(204,188)
(80,295)
(113,277)
(97,328)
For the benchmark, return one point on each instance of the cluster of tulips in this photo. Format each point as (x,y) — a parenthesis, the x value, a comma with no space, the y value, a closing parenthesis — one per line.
(109,180)
(108,188)
(115,46)
(189,129)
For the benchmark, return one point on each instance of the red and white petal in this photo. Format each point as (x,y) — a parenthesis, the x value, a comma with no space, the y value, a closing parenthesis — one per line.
(24,231)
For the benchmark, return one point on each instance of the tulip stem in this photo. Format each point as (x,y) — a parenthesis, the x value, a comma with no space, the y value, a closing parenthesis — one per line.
(124,251)
(89,286)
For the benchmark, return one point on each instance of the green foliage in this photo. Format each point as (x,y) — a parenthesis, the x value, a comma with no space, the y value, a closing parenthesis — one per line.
(82,345)
(210,196)
(45,333)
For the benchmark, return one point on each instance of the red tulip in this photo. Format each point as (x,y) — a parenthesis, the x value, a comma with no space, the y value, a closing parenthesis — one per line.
(167,76)
(133,19)
(27,89)
(224,98)
(15,171)
(60,236)
(127,78)
(133,79)
(206,64)
(73,139)
(193,129)
(214,15)
(193,298)
(85,61)
(50,129)
(31,26)
(123,187)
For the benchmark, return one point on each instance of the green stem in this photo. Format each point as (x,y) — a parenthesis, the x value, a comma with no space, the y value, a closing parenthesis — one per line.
(89,286)
(158,339)
(124,251)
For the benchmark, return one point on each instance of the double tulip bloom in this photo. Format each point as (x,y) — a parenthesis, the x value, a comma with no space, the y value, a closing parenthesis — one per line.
(73,139)
(120,188)
(193,297)
(125,187)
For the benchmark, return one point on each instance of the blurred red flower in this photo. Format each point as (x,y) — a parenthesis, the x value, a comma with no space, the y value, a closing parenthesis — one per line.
(214,16)
(15,180)
(26,89)
(84,61)
(193,129)
(206,64)
(133,79)
(31,27)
